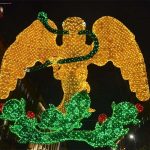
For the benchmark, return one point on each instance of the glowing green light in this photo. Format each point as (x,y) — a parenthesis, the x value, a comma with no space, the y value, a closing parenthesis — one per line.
(55,126)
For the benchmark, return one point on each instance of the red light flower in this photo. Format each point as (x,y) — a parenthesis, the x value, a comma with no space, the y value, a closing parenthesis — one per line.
(139,107)
(102,118)
(30,114)
(1,107)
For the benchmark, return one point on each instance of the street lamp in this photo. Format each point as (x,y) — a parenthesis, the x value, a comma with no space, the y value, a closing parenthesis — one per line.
(132,137)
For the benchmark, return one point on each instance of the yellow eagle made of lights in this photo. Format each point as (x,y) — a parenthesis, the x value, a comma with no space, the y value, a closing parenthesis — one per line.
(36,43)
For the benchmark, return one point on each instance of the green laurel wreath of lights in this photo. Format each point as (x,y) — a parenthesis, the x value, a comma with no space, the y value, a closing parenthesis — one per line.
(42,16)
(55,126)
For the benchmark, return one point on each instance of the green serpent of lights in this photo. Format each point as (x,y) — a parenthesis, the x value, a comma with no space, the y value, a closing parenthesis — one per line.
(55,126)
(42,16)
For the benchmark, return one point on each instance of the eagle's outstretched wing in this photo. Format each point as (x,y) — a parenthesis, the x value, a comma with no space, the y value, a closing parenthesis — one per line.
(34,44)
(117,44)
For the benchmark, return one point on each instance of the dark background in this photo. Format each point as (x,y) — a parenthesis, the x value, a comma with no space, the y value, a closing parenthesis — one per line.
(106,82)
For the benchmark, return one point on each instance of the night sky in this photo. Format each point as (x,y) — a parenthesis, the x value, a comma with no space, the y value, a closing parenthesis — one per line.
(106,82)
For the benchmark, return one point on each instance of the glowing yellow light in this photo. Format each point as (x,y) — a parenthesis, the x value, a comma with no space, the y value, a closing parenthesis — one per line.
(36,43)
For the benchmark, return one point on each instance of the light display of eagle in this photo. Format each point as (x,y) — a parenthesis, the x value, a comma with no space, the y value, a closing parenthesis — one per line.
(112,42)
